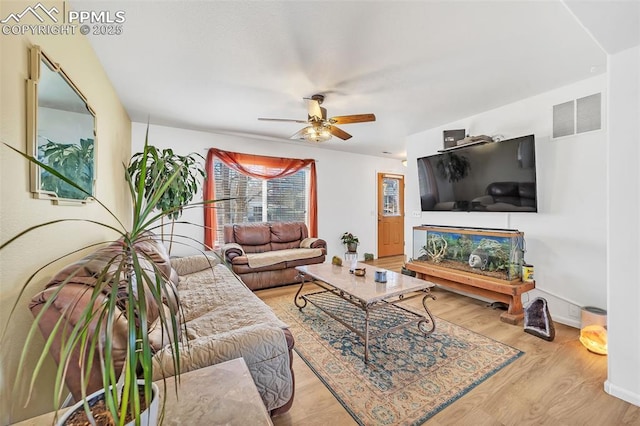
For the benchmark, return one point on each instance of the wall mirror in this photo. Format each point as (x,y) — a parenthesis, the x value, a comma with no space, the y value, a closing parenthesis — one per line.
(60,132)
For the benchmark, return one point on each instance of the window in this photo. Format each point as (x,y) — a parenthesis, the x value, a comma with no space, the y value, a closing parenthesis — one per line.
(257,200)
(288,193)
(391,194)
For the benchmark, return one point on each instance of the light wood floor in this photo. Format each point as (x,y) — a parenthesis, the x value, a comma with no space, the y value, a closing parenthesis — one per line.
(554,383)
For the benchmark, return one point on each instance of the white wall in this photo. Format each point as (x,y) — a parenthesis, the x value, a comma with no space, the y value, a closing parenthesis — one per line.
(566,238)
(346,182)
(624,227)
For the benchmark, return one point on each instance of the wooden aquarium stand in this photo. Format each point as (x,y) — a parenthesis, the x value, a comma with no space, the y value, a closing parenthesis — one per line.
(508,292)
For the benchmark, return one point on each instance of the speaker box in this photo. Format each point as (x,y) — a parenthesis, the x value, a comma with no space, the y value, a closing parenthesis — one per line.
(451,137)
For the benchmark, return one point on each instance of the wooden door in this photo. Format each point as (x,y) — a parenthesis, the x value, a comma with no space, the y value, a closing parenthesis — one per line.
(390,214)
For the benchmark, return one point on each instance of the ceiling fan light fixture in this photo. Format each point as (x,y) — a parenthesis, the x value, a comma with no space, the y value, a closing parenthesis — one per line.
(316,134)
(320,128)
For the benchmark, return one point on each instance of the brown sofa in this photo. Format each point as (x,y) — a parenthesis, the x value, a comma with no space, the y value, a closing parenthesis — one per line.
(221,319)
(265,254)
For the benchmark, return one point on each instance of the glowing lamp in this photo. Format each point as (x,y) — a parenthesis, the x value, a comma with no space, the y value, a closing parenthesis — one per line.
(316,133)
(593,332)
(594,338)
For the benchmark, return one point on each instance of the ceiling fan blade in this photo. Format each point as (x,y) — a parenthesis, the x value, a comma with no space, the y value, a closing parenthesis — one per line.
(314,109)
(291,120)
(356,118)
(299,135)
(339,133)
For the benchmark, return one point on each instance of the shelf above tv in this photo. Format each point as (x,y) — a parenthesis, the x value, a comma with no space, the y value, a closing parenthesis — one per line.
(455,148)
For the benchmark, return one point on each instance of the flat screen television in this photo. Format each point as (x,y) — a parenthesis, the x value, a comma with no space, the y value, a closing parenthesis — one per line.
(487,177)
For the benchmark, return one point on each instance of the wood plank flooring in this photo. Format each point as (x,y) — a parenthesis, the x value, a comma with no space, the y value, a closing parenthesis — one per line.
(554,383)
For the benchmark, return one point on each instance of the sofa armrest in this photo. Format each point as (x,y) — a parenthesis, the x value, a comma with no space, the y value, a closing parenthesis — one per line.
(313,243)
(231,251)
(65,307)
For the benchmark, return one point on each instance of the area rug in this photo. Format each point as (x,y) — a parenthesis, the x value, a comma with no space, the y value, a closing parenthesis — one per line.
(409,378)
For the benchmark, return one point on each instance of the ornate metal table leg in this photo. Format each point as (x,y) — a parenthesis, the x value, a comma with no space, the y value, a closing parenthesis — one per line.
(428,325)
(297,296)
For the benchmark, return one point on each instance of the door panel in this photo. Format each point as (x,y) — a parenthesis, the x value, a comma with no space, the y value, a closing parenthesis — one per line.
(390,214)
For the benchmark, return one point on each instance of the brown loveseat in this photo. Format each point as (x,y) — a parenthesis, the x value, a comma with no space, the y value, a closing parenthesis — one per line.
(265,254)
(221,319)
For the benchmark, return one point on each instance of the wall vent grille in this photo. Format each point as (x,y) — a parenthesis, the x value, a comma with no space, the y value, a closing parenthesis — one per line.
(577,116)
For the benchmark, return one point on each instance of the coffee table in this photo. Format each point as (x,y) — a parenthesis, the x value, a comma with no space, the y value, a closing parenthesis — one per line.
(368,308)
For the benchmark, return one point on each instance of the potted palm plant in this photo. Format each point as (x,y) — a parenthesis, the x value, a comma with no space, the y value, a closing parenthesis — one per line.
(125,285)
(180,191)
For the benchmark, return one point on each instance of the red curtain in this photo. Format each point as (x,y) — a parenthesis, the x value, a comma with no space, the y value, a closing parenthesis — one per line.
(272,167)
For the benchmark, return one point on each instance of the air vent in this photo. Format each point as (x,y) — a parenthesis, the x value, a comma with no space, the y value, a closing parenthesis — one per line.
(588,115)
(564,119)
(577,116)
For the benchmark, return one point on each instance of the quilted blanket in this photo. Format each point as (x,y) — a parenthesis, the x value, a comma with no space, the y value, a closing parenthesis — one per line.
(259,260)
(225,320)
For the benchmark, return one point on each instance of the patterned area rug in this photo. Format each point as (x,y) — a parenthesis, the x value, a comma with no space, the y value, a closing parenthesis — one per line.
(409,377)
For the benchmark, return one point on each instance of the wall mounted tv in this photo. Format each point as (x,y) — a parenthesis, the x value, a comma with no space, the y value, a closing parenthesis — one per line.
(487,177)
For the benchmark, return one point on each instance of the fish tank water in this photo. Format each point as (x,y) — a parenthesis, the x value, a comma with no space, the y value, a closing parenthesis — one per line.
(496,253)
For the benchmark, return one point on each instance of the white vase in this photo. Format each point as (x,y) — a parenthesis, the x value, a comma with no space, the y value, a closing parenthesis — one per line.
(148,417)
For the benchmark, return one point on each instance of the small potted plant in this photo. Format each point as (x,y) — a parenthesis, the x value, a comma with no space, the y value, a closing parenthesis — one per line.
(351,241)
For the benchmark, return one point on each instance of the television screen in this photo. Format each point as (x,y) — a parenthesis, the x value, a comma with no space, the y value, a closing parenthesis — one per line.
(492,177)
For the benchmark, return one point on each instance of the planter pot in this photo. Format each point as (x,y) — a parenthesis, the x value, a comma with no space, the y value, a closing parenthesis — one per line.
(352,247)
(148,417)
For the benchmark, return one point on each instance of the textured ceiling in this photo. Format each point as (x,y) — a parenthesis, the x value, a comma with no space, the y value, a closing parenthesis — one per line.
(218,66)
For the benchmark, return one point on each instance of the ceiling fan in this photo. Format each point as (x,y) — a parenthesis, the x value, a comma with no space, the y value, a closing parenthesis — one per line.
(320,128)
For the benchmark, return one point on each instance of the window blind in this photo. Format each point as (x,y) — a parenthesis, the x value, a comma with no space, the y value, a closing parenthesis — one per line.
(256,200)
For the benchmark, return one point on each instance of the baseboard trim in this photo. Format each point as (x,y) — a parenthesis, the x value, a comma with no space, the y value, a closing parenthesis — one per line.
(561,319)
(623,394)
(566,321)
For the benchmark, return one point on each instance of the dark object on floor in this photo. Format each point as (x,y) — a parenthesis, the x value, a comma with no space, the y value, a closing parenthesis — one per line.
(499,305)
(537,320)
(405,271)
(368,256)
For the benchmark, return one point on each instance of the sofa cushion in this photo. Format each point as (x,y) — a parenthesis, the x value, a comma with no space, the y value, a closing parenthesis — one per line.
(253,236)
(305,261)
(286,235)
(285,232)
(197,295)
(211,300)
(240,265)
(259,260)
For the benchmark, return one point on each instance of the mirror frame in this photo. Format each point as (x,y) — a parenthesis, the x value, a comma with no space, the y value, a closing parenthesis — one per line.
(36,58)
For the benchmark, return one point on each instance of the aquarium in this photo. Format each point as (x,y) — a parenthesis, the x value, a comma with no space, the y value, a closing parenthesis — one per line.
(496,253)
